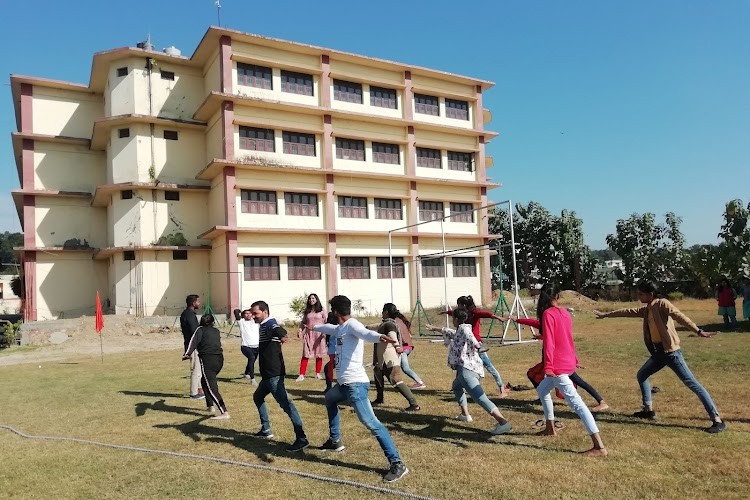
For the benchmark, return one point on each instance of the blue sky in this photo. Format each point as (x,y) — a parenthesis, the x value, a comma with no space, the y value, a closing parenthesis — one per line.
(604,108)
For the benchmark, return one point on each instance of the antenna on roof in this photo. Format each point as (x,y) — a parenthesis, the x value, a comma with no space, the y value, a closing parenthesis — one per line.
(218,11)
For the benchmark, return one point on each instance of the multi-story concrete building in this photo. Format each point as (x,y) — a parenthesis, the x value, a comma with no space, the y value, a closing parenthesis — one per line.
(255,169)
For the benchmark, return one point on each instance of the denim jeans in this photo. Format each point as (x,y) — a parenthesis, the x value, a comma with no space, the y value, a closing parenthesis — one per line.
(469,381)
(356,394)
(490,368)
(406,368)
(563,384)
(677,363)
(275,387)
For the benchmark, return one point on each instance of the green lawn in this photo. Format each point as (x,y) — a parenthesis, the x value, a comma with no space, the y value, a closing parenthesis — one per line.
(138,399)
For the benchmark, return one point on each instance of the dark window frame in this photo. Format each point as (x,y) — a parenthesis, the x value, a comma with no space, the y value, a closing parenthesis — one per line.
(431,210)
(298,143)
(460,161)
(427,104)
(261,268)
(167,75)
(433,267)
(171,195)
(462,212)
(355,268)
(346,91)
(293,82)
(255,75)
(384,268)
(353,148)
(456,109)
(303,268)
(179,255)
(464,267)
(128,255)
(301,204)
(383,152)
(171,135)
(352,207)
(383,97)
(429,158)
(257,139)
(122,71)
(123,133)
(254,201)
(126,194)
(388,208)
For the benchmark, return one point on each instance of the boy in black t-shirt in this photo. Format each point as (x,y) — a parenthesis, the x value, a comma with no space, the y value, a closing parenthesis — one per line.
(272,371)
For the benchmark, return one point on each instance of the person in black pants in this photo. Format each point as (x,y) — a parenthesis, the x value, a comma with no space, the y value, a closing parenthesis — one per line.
(207,341)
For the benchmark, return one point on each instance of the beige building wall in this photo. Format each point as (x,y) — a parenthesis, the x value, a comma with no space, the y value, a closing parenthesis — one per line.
(213,139)
(67,167)
(217,277)
(67,284)
(212,74)
(119,93)
(126,225)
(60,219)
(216,203)
(179,161)
(65,112)
(129,157)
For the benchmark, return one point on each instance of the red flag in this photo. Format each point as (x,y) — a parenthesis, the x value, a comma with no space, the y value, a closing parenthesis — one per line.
(99,316)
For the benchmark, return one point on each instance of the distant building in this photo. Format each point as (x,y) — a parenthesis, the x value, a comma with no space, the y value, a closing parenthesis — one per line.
(10,303)
(255,169)
(614,264)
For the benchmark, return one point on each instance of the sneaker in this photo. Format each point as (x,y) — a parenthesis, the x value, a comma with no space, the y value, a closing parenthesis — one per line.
(332,445)
(261,434)
(717,427)
(647,414)
(300,378)
(246,375)
(211,409)
(376,402)
(483,349)
(603,406)
(396,471)
(464,418)
(412,408)
(253,382)
(221,416)
(197,396)
(319,376)
(418,385)
(501,429)
(298,445)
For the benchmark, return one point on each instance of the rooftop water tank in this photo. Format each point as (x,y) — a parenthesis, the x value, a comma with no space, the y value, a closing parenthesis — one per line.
(172,51)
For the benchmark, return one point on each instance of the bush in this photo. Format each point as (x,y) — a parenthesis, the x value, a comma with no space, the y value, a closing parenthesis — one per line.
(9,334)
(298,304)
(675,295)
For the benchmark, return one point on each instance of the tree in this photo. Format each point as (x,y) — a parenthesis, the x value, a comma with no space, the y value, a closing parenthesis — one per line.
(9,240)
(736,235)
(649,250)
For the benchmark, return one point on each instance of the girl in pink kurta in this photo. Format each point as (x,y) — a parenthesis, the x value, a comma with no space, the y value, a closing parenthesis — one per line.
(313,343)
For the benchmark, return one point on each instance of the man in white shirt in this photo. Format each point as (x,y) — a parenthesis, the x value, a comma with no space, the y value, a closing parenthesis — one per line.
(353,384)
(249,332)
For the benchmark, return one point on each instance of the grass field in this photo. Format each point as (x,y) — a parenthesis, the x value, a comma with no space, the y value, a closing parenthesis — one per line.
(138,399)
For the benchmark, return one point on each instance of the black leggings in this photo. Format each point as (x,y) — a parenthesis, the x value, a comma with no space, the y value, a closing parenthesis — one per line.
(577,380)
(211,365)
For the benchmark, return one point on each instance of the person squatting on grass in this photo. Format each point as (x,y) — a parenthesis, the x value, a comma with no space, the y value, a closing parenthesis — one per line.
(206,341)
(663,343)
(188,325)
(353,383)
(475,316)
(407,346)
(387,363)
(313,345)
(272,371)
(725,296)
(560,360)
(601,405)
(249,332)
(463,357)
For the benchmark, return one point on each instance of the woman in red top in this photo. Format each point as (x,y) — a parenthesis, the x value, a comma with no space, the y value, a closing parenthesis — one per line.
(726,297)
(475,316)
(560,360)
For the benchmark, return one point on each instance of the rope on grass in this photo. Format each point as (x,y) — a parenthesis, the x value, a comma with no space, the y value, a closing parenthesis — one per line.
(306,475)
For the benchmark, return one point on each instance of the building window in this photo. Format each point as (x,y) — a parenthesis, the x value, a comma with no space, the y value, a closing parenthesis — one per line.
(433,267)
(464,267)
(426,105)
(303,204)
(304,268)
(172,195)
(258,202)
(431,210)
(463,162)
(456,109)
(353,207)
(261,268)
(254,76)
(122,71)
(128,255)
(385,153)
(126,194)
(462,212)
(179,255)
(123,133)
(350,149)
(170,135)
(296,83)
(355,268)
(347,91)
(386,208)
(167,75)
(298,144)
(384,267)
(429,158)
(383,98)
(257,139)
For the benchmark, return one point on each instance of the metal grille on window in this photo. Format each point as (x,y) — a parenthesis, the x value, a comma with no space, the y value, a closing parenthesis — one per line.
(429,158)
(462,162)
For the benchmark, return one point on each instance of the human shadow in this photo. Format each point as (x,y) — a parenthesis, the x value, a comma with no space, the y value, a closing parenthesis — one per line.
(153,394)
(161,405)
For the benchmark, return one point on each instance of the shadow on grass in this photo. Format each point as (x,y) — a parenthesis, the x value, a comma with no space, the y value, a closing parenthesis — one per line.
(153,394)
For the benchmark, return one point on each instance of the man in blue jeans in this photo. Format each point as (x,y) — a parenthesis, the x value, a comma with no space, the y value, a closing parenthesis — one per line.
(353,384)
(272,371)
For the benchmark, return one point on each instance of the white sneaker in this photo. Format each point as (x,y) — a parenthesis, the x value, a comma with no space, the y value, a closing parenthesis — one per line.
(253,382)
(501,429)
(464,418)
(319,376)
(211,409)
(300,378)
(223,416)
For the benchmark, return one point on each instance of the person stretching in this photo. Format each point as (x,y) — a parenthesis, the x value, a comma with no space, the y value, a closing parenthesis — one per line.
(463,357)
(352,384)
(663,343)
(271,367)
(560,360)
(249,344)
(313,344)
(206,341)
(407,344)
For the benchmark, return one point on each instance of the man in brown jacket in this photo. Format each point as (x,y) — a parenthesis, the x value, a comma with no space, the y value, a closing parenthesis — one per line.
(663,343)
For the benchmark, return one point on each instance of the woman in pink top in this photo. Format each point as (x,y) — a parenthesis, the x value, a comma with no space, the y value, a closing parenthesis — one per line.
(313,343)
(560,360)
